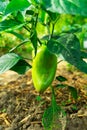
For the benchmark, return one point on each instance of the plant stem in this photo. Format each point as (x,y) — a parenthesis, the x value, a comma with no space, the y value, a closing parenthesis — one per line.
(53,25)
(19,45)
(26,28)
(39,41)
(36,20)
(53,92)
(59,61)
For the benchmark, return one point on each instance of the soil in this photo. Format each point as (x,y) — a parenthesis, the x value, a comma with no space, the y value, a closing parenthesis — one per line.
(20,108)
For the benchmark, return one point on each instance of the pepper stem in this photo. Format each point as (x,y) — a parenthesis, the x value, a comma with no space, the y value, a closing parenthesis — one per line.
(53,93)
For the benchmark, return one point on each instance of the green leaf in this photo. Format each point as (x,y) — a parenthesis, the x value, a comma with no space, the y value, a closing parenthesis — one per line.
(73,30)
(30,12)
(9,25)
(46,37)
(42,16)
(54,46)
(47,118)
(69,46)
(20,16)
(7,61)
(20,36)
(35,2)
(61,78)
(61,85)
(83,54)
(71,51)
(75,7)
(18,5)
(73,92)
(51,115)
(3,5)
(53,16)
(21,67)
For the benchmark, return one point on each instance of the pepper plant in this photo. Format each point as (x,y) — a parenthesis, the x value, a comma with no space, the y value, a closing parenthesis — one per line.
(49,38)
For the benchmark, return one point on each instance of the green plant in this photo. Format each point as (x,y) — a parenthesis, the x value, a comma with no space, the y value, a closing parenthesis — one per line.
(50,23)
(71,89)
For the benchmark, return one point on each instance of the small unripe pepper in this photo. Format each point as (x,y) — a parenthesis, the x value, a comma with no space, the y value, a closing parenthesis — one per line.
(43,68)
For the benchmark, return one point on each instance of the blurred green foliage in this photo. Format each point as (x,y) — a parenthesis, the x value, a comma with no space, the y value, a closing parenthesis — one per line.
(65,23)
(8,41)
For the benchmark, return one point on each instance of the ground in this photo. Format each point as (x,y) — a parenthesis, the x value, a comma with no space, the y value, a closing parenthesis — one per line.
(20,108)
